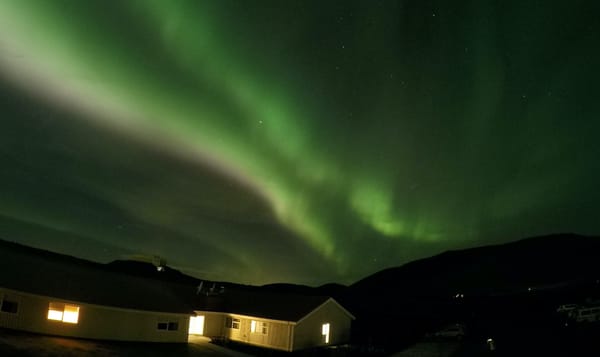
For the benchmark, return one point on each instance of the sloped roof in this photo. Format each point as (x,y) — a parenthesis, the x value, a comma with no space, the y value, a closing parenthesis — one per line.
(43,273)
(270,305)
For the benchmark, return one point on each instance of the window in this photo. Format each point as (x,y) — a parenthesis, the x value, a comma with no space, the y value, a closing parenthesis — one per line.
(63,312)
(264,328)
(169,326)
(232,323)
(9,306)
(71,314)
(55,313)
(325,332)
(258,327)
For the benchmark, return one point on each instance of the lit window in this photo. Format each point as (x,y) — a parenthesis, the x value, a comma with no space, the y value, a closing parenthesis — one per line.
(71,314)
(63,312)
(196,325)
(325,332)
(258,327)
(54,314)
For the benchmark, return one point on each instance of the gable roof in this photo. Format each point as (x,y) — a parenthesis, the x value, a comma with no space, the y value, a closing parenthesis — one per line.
(62,277)
(270,305)
(333,301)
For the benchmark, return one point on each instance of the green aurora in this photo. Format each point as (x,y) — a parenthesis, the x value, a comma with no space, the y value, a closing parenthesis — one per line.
(298,141)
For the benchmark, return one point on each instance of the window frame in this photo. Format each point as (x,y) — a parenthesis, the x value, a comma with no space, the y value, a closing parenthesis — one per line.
(69,313)
(232,323)
(163,325)
(259,327)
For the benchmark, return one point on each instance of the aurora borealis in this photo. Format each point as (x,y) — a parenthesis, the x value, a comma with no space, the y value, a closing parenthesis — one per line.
(297,141)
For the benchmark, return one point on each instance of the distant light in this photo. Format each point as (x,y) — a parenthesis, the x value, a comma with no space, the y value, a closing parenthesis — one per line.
(160,268)
(491,344)
(528,289)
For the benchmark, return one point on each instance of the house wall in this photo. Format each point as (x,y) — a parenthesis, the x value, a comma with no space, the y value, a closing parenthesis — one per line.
(214,324)
(278,334)
(308,331)
(94,322)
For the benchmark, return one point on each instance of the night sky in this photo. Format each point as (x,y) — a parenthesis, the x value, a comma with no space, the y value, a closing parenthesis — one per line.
(297,141)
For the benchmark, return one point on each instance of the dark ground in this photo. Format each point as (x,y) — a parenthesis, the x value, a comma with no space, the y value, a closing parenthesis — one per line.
(519,341)
(15,343)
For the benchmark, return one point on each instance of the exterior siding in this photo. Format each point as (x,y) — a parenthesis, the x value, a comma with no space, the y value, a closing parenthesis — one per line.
(214,324)
(308,331)
(278,334)
(95,321)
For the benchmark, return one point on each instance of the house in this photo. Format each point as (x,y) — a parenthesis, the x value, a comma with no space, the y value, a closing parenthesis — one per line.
(287,322)
(48,293)
(54,294)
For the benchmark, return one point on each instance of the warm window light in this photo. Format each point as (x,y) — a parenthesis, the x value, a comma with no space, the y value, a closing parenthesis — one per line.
(64,313)
(325,332)
(253,326)
(196,325)
(55,315)
(71,314)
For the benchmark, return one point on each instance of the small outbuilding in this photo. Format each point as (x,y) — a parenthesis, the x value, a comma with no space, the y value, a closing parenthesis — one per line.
(287,322)
(48,293)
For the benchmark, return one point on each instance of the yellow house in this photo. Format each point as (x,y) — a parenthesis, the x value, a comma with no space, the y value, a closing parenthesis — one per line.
(52,294)
(285,322)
